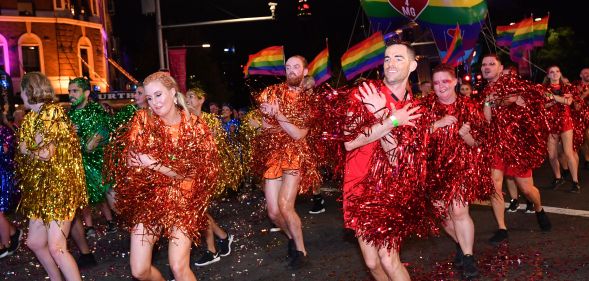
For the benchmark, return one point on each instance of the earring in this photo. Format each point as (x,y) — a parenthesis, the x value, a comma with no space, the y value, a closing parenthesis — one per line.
(176,101)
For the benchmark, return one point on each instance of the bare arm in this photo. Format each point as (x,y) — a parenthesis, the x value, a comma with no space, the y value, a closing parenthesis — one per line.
(375,132)
(93,142)
(144,160)
(291,129)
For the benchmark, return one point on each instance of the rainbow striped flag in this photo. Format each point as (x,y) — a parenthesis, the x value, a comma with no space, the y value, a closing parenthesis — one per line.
(540,28)
(505,35)
(269,61)
(455,51)
(363,56)
(319,67)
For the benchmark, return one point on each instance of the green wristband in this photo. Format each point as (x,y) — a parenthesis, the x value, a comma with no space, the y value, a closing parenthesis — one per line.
(394,121)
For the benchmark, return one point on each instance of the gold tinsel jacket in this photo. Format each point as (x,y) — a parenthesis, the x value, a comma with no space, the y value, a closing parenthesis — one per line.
(56,188)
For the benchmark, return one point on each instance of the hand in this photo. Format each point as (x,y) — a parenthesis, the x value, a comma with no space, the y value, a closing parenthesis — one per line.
(141,160)
(520,101)
(22,147)
(372,99)
(405,115)
(464,130)
(38,138)
(270,108)
(445,121)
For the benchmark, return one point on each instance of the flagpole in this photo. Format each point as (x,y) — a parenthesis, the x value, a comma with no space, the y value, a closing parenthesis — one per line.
(529,50)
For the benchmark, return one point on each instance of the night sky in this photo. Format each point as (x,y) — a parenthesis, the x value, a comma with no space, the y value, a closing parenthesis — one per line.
(220,73)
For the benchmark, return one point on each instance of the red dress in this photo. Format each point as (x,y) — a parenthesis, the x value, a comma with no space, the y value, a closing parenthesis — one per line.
(457,171)
(558,115)
(517,134)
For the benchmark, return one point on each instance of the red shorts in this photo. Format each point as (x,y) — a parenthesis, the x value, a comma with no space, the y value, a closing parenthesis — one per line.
(510,171)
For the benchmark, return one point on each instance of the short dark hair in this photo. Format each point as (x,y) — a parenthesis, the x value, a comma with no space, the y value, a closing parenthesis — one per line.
(493,55)
(410,48)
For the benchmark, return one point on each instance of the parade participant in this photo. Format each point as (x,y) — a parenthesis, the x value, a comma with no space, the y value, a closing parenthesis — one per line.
(230,175)
(376,108)
(230,124)
(425,89)
(9,234)
(466,89)
(561,127)
(128,111)
(583,87)
(214,108)
(164,177)
(92,125)
(458,169)
(50,175)
(282,153)
(516,138)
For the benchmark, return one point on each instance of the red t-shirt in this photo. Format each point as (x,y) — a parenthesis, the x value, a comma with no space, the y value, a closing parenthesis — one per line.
(358,162)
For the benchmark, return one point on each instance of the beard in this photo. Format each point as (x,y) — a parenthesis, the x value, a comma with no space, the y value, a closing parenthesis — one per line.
(294,81)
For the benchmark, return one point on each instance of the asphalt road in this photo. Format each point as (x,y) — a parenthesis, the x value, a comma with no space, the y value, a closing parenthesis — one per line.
(562,254)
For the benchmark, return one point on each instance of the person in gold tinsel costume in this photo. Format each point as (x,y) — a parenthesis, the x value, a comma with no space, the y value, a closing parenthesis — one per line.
(229,177)
(282,151)
(51,176)
(164,177)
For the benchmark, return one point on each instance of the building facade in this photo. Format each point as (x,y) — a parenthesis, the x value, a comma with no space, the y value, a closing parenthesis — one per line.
(61,38)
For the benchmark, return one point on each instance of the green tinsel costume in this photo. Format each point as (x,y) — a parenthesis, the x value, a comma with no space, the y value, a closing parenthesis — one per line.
(91,120)
(123,116)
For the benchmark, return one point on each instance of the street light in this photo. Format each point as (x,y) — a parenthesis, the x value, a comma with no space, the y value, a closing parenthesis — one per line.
(206,45)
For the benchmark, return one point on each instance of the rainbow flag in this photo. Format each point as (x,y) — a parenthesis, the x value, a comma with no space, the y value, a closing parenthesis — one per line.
(540,28)
(319,67)
(455,51)
(505,35)
(269,61)
(363,56)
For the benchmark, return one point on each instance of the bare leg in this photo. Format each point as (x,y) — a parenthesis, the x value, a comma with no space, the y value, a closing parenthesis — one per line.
(5,229)
(370,254)
(527,187)
(57,242)
(271,191)
(37,242)
(286,204)
(78,236)
(106,211)
(179,256)
(497,201)
(87,214)
(141,248)
(212,230)
(571,156)
(464,227)
(553,155)
(511,188)
(391,263)
(219,232)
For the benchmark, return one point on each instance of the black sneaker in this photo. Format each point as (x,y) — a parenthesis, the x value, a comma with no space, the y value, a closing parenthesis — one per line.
(566,174)
(274,228)
(3,253)
(513,205)
(459,257)
(298,260)
(292,248)
(470,269)
(111,227)
(86,260)
(225,245)
(498,237)
(208,258)
(543,221)
(530,208)
(576,188)
(14,242)
(318,205)
(556,183)
(90,232)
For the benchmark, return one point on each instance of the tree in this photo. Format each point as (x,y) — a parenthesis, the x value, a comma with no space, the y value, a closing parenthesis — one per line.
(564,49)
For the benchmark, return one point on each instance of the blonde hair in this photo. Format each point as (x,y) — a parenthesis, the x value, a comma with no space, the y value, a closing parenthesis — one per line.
(37,88)
(199,92)
(168,81)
